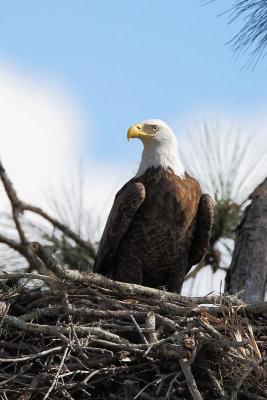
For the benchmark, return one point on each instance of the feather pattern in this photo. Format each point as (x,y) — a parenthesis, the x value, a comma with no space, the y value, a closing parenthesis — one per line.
(158,227)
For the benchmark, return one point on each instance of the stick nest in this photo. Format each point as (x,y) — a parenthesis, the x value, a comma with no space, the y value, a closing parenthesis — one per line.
(93,338)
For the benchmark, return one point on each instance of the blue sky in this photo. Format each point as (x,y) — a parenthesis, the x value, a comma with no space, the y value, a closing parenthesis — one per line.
(126,61)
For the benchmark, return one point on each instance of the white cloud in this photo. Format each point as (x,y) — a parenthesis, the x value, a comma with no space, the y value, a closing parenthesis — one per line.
(39,130)
(41,140)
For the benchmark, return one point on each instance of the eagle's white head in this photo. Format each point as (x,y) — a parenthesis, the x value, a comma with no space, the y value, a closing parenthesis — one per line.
(160,146)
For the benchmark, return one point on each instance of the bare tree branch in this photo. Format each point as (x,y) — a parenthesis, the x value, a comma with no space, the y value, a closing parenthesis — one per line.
(18,208)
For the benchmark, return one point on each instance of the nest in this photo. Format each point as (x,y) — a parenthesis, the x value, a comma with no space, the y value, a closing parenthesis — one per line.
(87,337)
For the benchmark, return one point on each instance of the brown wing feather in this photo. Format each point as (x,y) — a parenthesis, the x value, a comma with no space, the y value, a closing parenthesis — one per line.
(126,203)
(188,193)
(203,228)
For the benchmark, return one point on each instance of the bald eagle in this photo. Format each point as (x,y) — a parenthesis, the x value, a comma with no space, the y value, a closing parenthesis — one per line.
(160,223)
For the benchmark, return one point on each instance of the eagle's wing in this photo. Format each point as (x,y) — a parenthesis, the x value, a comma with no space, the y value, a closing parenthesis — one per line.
(203,228)
(126,203)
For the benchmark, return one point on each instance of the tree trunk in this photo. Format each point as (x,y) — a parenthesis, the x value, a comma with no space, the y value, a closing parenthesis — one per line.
(248,269)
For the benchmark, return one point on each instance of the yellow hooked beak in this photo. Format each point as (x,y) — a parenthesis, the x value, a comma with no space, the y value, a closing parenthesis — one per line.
(136,131)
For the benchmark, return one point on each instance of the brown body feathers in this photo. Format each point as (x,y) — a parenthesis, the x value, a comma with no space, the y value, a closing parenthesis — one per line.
(159,226)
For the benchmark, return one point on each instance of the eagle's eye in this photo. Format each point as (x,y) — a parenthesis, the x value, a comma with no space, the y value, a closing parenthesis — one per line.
(155,128)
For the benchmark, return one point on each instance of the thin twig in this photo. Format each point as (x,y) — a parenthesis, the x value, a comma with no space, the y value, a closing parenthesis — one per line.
(57,374)
(243,377)
(190,379)
(174,379)
(63,228)
(138,329)
(151,324)
(17,210)
(32,357)
(216,384)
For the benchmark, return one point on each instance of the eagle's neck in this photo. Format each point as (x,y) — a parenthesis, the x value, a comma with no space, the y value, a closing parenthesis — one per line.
(162,156)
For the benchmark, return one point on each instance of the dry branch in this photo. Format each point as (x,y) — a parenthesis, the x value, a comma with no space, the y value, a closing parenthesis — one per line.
(22,246)
(190,379)
(63,228)
(125,288)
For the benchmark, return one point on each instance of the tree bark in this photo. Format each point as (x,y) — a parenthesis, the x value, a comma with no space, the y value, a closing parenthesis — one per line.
(248,269)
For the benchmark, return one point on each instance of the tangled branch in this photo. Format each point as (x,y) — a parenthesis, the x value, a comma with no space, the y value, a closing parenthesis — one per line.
(88,336)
